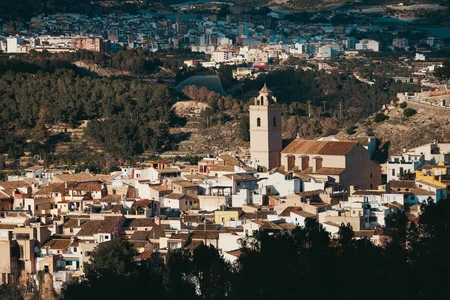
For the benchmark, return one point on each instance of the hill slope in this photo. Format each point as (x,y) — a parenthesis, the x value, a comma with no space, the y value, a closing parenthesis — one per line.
(399,132)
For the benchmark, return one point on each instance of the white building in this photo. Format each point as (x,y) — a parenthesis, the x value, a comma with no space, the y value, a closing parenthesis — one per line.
(222,56)
(433,153)
(420,56)
(406,163)
(281,183)
(254,55)
(368,45)
(15,45)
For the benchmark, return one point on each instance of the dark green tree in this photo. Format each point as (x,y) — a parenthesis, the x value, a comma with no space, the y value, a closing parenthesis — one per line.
(244,128)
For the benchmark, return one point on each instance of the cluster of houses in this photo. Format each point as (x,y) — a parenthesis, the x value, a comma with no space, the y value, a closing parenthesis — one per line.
(163,28)
(52,220)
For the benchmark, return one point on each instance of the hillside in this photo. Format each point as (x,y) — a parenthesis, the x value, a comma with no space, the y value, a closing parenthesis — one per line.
(398,132)
(194,139)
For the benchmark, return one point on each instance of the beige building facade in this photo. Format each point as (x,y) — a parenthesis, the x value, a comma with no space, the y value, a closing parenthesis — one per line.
(344,162)
(265,130)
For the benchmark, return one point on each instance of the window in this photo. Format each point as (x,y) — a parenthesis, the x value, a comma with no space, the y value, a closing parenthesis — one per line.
(258,122)
(393,172)
(75,249)
(274,122)
(262,100)
(370,175)
(106,237)
(71,229)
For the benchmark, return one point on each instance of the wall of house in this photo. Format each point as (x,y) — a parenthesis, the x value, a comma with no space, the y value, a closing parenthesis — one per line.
(9,270)
(355,222)
(229,242)
(221,217)
(312,185)
(281,185)
(174,203)
(333,230)
(85,251)
(250,228)
(244,196)
(295,219)
(360,170)
(211,202)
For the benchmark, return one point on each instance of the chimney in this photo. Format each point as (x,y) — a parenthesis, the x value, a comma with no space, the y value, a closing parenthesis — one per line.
(79,222)
(352,190)
(317,163)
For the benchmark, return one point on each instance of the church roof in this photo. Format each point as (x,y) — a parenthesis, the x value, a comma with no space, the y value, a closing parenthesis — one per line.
(265,90)
(300,146)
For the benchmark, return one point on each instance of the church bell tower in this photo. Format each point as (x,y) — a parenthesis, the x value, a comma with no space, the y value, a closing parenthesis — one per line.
(265,130)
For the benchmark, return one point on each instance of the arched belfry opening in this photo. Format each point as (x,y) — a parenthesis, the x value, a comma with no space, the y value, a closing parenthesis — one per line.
(265,97)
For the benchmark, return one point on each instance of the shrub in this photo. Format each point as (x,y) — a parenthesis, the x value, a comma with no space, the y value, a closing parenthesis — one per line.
(403,105)
(380,117)
(351,129)
(408,112)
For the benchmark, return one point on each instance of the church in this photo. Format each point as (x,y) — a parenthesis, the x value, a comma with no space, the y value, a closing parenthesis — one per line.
(343,163)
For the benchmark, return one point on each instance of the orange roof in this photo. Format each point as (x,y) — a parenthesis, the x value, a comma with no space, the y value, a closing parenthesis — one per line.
(300,146)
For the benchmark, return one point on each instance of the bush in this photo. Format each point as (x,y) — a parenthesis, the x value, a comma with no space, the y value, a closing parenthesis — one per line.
(380,117)
(408,112)
(351,129)
(403,105)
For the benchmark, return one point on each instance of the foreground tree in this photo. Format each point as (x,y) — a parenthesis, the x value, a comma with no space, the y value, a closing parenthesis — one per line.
(111,274)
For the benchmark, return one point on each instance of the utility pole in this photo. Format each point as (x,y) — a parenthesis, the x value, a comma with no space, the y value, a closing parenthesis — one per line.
(324,102)
(309,108)
(204,229)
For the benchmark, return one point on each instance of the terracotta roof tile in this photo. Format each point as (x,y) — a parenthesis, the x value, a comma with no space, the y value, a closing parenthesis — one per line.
(57,244)
(111,199)
(83,177)
(241,177)
(146,222)
(85,186)
(402,184)
(52,188)
(140,236)
(287,211)
(175,196)
(300,146)
(304,214)
(14,184)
